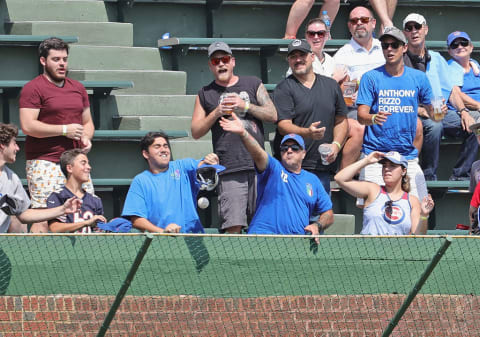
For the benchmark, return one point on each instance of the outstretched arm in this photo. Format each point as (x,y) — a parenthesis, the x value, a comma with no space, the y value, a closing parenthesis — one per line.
(37,215)
(359,189)
(235,125)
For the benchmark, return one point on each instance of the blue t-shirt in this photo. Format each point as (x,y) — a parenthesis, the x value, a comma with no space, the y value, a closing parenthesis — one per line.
(91,205)
(470,83)
(399,96)
(166,197)
(438,75)
(286,200)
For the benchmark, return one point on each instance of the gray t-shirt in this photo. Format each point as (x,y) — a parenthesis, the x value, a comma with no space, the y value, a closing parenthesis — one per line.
(474,175)
(11,185)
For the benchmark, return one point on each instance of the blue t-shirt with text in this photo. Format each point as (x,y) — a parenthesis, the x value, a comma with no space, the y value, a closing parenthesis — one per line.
(400,96)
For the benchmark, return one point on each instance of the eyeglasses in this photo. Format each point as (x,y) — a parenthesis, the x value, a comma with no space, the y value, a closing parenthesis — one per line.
(409,28)
(294,147)
(456,44)
(320,33)
(394,45)
(363,19)
(216,60)
(388,206)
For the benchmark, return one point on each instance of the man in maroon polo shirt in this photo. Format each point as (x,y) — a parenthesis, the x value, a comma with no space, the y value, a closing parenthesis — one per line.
(55,116)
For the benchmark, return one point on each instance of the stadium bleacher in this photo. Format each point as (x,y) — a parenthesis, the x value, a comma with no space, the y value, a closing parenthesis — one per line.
(117,41)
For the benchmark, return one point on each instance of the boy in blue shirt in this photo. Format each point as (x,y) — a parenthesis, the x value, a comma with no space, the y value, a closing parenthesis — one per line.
(75,166)
(163,198)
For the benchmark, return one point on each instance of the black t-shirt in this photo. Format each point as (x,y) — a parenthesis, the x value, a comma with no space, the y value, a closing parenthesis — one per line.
(304,106)
(228,146)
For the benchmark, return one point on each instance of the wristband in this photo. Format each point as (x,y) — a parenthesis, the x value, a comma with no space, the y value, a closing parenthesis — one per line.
(338,144)
(247,106)
(64,130)
(424,217)
(373,119)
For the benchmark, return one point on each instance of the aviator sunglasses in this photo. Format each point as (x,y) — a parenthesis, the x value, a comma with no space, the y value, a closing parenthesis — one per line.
(394,45)
(456,44)
(294,147)
(216,60)
(409,28)
(363,19)
(320,33)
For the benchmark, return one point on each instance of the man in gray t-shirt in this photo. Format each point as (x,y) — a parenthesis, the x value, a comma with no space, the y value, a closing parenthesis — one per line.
(11,186)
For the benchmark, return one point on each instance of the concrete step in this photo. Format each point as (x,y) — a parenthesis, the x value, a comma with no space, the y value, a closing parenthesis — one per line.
(148,105)
(190,148)
(91,33)
(153,123)
(54,10)
(114,58)
(146,82)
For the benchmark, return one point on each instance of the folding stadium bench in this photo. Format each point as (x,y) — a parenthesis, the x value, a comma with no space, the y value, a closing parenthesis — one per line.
(31,40)
(101,89)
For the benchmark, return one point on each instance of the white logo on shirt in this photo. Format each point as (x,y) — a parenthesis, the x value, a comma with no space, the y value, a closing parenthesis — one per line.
(284,177)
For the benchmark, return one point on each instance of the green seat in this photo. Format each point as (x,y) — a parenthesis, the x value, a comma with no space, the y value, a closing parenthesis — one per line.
(31,40)
(342,224)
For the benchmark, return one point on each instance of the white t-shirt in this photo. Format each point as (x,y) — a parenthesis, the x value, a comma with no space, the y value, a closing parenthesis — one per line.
(358,59)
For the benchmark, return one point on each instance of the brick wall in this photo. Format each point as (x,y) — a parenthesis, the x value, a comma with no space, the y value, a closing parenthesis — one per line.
(335,316)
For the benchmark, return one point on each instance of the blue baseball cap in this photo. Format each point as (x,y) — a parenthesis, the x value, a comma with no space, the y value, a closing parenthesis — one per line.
(395,158)
(296,138)
(455,35)
(218,168)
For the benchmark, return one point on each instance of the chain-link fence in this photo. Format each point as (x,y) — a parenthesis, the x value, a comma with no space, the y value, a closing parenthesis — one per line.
(237,285)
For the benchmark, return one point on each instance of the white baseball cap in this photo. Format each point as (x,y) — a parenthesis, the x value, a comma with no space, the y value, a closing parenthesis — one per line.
(414,17)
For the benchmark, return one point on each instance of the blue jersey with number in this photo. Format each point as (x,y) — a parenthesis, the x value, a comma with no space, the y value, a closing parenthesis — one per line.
(166,197)
(400,96)
(286,200)
(91,205)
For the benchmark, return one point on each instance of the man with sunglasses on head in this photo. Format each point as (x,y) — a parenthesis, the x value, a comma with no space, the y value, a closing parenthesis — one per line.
(435,67)
(290,199)
(387,101)
(248,98)
(311,106)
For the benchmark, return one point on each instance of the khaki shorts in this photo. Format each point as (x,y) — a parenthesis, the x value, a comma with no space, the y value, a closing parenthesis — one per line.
(237,193)
(45,177)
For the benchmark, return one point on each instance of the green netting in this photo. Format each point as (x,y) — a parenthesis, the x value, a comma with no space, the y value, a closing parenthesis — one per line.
(225,285)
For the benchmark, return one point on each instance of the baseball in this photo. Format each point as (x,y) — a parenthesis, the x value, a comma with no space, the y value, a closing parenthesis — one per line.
(203,202)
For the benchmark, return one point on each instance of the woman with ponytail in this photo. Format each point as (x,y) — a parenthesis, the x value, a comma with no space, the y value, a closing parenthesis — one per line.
(389,209)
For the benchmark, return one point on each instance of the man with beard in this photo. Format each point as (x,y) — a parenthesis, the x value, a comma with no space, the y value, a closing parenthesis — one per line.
(55,116)
(312,106)
(248,98)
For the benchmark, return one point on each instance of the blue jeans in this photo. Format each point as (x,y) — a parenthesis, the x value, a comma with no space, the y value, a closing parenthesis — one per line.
(324,179)
(450,126)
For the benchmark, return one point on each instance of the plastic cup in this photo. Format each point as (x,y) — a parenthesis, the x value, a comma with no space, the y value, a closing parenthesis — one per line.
(324,150)
(349,91)
(437,103)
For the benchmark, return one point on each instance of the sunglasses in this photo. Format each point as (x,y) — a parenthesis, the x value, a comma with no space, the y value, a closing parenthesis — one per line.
(394,45)
(388,206)
(456,44)
(320,33)
(294,147)
(363,19)
(216,60)
(409,28)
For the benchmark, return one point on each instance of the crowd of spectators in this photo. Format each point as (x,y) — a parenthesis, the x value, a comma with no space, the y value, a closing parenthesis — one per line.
(367,112)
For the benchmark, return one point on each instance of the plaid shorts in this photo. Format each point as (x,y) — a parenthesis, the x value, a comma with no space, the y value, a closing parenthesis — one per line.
(45,177)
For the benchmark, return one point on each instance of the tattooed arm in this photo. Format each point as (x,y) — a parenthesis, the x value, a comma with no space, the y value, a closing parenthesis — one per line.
(259,156)
(265,111)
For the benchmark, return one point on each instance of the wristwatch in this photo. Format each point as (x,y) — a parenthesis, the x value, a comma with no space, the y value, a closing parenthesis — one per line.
(463,109)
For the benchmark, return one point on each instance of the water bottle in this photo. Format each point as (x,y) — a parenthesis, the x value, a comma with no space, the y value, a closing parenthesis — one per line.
(164,37)
(326,19)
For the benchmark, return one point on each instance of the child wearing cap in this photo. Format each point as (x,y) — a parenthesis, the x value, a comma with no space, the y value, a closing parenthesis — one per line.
(389,209)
